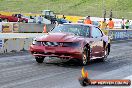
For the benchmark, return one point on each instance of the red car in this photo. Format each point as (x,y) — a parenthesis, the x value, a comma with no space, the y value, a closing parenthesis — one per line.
(72,41)
(13,18)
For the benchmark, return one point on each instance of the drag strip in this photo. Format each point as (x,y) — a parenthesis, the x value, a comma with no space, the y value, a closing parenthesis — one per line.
(22,71)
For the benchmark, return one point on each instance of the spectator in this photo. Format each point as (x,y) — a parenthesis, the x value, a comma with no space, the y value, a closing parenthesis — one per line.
(122,24)
(0,27)
(63,20)
(31,17)
(87,20)
(110,24)
(53,19)
(127,24)
(19,16)
(13,15)
(18,20)
(103,25)
(40,19)
(34,19)
(0,20)
(63,17)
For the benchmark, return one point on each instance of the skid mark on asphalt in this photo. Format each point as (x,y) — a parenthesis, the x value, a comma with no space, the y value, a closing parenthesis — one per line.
(23,73)
(15,58)
(40,77)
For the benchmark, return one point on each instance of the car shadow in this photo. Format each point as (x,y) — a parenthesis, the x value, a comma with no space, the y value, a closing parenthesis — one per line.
(94,65)
(74,63)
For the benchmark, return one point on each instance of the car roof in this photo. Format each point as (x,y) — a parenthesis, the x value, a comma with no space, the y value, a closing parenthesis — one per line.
(79,24)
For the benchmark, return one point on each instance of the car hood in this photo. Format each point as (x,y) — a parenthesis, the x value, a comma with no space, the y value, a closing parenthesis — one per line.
(60,37)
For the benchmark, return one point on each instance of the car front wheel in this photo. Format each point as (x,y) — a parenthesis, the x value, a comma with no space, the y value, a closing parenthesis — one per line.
(39,59)
(85,57)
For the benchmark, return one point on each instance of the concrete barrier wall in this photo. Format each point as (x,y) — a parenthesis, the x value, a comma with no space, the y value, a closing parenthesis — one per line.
(120,34)
(15,45)
(8,27)
(33,27)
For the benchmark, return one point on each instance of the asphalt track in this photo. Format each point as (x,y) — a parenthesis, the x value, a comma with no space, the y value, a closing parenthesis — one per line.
(21,70)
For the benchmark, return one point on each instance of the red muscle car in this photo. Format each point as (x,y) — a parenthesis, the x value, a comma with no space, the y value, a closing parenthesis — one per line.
(13,18)
(72,41)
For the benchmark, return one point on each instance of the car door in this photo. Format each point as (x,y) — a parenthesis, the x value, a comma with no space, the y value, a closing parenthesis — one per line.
(97,42)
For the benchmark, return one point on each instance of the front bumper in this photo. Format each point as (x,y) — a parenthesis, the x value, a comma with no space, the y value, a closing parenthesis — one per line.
(61,52)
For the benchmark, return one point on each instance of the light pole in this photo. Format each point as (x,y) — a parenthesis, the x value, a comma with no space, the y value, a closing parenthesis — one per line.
(103,9)
(115,10)
(111,13)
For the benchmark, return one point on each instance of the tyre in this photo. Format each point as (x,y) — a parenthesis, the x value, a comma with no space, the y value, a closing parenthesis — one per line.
(85,57)
(24,21)
(39,59)
(106,52)
(5,20)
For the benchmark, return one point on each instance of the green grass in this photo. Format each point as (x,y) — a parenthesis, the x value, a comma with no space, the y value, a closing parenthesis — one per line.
(120,8)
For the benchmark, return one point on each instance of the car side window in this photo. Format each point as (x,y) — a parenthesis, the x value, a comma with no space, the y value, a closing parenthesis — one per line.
(96,32)
(86,30)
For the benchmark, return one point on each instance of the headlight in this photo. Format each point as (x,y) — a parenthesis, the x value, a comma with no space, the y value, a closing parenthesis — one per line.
(36,43)
(71,44)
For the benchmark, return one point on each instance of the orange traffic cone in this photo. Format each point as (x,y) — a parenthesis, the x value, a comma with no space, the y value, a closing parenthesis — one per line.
(44,29)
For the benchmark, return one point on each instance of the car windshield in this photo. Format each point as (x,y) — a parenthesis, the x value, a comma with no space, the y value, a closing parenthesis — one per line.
(79,30)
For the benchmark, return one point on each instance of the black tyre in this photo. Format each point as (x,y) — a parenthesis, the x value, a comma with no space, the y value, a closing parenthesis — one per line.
(24,21)
(85,57)
(106,53)
(6,20)
(39,59)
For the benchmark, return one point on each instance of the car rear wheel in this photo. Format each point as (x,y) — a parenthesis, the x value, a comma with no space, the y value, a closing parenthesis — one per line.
(5,20)
(106,52)
(39,59)
(85,57)
(24,21)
